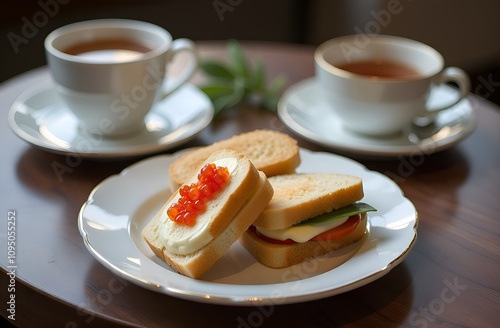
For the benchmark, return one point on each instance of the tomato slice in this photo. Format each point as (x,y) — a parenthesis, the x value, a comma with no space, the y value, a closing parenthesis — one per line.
(335,233)
(341,231)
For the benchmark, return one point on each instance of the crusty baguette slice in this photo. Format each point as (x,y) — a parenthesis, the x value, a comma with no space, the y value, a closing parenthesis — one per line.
(197,263)
(271,152)
(298,197)
(285,255)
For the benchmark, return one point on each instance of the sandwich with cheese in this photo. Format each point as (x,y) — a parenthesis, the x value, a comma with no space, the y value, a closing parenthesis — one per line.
(271,152)
(208,213)
(310,215)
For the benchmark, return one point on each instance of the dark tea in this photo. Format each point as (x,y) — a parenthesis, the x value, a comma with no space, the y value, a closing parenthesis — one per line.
(379,68)
(108,50)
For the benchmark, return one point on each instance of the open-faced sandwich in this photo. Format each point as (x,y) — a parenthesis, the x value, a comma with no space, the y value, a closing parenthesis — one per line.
(208,213)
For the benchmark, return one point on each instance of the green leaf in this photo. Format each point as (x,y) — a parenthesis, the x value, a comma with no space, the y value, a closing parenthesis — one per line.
(343,212)
(276,85)
(224,102)
(236,81)
(259,77)
(225,96)
(237,60)
(216,69)
(214,91)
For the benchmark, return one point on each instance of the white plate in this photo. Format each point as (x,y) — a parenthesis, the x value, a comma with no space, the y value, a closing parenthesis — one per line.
(118,208)
(303,109)
(39,117)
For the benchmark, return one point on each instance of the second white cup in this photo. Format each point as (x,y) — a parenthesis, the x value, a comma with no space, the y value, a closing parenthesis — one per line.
(379,84)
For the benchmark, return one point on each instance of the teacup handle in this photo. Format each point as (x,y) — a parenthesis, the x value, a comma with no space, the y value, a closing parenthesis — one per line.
(178,46)
(449,74)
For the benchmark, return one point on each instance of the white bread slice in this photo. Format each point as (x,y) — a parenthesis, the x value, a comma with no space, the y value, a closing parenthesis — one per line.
(298,197)
(285,255)
(271,152)
(230,213)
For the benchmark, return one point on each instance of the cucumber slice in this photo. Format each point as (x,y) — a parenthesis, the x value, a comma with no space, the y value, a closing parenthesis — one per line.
(343,212)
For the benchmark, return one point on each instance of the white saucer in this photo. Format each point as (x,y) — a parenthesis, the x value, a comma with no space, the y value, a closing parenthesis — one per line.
(39,117)
(303,109)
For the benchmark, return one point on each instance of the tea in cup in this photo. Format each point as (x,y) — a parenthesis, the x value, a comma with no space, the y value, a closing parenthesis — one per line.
(111,72)
(379,84)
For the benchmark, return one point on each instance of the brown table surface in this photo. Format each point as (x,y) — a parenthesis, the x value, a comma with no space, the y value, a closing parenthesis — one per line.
(451,278)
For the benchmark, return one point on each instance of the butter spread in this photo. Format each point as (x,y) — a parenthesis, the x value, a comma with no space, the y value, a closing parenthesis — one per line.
(302,233)
(182,239)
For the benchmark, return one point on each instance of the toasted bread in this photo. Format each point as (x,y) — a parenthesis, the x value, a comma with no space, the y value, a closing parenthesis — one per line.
(298,197)
(271,152)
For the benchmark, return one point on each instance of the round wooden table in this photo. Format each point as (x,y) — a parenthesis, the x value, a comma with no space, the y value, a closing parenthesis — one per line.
(451,278)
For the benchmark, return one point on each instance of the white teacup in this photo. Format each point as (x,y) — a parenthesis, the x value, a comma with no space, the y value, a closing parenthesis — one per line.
(380,84)
(110,72)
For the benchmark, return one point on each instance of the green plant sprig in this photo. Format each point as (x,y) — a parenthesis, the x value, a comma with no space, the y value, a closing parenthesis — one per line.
(235,82)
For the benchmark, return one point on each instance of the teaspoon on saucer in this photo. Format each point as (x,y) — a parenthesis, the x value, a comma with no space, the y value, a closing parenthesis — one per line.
(432,133)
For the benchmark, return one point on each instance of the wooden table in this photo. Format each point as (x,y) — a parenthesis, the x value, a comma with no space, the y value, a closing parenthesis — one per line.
(450,279)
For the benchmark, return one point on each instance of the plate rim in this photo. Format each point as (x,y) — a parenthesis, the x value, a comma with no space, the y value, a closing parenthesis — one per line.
(369,150)
(47,85)
(235,300)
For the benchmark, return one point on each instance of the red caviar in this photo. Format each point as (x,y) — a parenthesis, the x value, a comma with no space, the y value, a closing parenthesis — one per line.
(194,197)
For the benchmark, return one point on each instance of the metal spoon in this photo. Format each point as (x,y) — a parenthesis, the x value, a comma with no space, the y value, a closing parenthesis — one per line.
(435,130)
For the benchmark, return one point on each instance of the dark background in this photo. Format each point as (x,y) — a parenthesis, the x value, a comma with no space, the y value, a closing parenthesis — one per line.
(465,32)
